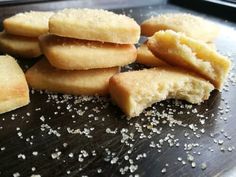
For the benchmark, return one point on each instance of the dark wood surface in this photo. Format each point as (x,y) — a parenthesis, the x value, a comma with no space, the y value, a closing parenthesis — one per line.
(214,7)
(107,142)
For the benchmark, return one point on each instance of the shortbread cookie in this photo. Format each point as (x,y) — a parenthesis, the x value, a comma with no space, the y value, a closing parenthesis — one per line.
(14,91)
(96,25)
(43,76)
(19,46)
(29,24)
(179,50)
(190,25)
(75,54)
(136,90)
(146,57)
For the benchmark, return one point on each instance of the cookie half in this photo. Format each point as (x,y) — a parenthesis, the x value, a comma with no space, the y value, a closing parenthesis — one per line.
(75,54)
(29,24)
(42,76)
(95,25)
(192,26)
(136,90)
(14,89)
(146,57)
(179,50)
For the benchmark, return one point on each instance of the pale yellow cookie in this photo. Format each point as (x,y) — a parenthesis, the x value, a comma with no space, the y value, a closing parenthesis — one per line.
(193,26)
(179,50)
(75,54)
(146,57)
(43,76)
(19,46)
(96,25)
(29,24)
(136,90)
(14,91)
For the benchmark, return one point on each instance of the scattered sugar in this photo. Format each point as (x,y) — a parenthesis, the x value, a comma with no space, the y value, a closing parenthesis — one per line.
(71,155)
(151,128)
(35,153)
(56,155)
(193,164)
(109,131)
(203,166)
(99,170)
(35,175)
(163,170)
(17,174)
(21,156)
(45,127)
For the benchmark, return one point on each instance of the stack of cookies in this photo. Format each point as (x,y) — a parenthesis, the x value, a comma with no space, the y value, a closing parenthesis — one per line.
(83,49)
(22,30)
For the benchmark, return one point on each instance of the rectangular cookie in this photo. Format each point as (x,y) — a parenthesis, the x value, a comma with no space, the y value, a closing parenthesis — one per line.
(14,89)
(95,25)
(76,54)
(42,76)
(191,25)
(136,90)
(29,24)
(19,46)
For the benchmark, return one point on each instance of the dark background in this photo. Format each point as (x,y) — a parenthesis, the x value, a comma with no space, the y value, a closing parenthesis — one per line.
(24,132)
